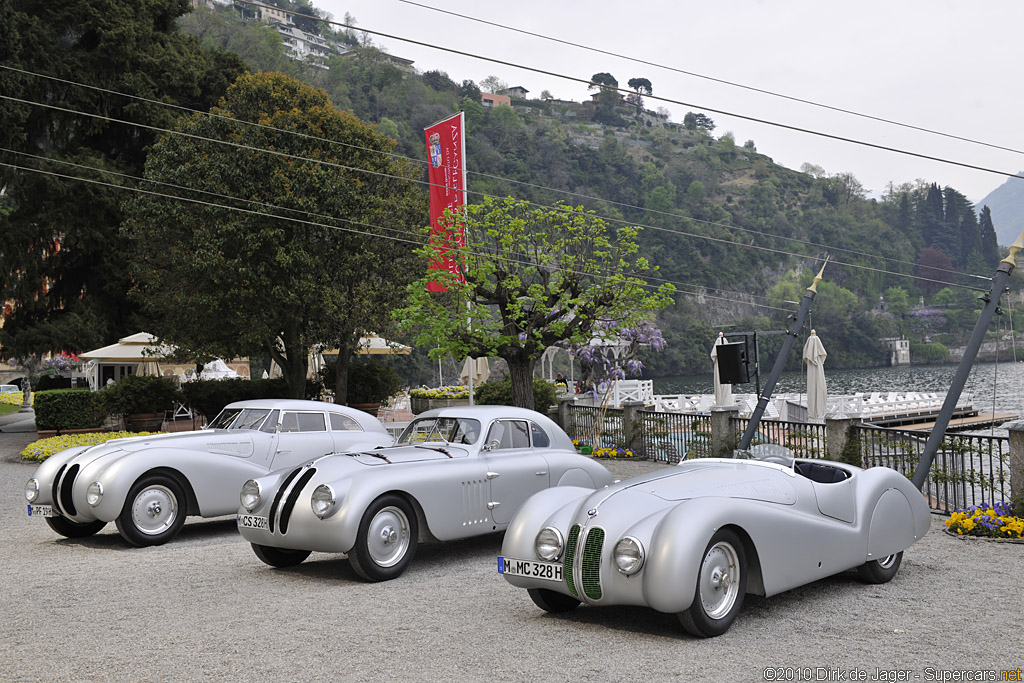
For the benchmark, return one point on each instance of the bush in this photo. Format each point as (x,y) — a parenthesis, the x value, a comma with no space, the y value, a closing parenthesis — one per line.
(67,409)
(208,397)
(368,381)
(140,394)
(499,393)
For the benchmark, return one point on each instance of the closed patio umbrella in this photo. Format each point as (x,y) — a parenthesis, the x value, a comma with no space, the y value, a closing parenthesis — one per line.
(817,394)
(723,392)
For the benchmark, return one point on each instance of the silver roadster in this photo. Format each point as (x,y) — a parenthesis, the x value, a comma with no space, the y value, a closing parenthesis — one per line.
(148,484)
(454,473)
(694,539)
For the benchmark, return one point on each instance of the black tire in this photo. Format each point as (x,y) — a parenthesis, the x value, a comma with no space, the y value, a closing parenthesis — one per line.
(279,557)
(719,592)
(153,512)
(387,539)
(553,601)
(880,571)
(65,527)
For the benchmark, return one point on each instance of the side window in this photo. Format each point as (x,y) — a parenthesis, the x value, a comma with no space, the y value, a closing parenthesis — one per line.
(540,437)
(344,423)
(271,422)
(289,422)
(312,422)
(520,434)
(496,433)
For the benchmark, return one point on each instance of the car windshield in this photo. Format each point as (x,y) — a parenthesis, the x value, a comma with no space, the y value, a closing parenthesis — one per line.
(244,418)
(447,429)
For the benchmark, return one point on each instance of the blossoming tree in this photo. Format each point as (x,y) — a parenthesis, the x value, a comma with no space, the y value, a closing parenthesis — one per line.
(533,278)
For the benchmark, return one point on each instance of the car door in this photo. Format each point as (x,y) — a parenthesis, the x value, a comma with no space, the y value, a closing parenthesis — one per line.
(301,436)
(515,469)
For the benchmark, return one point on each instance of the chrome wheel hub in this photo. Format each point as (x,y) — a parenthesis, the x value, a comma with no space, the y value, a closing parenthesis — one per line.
(718,583)
(154,510)
(388,537)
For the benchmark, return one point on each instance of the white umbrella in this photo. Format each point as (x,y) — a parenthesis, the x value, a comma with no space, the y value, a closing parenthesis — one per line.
(723,392)
(480,368)
(817,394)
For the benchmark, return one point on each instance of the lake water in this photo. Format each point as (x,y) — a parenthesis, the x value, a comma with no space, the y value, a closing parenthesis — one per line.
(1001,384)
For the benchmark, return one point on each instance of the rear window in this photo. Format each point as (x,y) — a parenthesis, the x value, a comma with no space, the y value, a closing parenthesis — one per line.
(344,423)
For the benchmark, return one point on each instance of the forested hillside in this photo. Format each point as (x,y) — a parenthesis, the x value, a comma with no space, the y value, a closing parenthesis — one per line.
(735,232)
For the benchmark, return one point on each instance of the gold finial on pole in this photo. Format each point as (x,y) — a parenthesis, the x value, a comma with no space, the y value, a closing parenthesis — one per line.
(1014,248)
(818,277)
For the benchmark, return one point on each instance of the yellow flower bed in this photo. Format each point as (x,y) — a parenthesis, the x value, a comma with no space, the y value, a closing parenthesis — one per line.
(992,521)
(43,448)
(15,398)
(456,391)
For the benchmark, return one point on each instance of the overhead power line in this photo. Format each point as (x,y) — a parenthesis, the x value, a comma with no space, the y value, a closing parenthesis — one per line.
(423,182)
(577,195)
(713,79)
(419,242)
(624,91)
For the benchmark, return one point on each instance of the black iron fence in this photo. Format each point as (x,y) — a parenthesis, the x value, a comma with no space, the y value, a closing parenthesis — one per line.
(596,426)
(806,440)
(968,470)
(671,437)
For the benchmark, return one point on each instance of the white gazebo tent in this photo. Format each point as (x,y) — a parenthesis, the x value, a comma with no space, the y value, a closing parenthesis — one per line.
(130,355)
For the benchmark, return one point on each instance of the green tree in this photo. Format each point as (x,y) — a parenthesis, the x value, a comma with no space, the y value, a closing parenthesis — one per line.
(62,260)
(602,81)
(225,282)
(534,278)
(698,121)
(897,301)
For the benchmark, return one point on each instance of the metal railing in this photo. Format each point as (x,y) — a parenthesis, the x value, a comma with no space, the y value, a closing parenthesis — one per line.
(968,470)
(805,439)
(671,437)
(595,425)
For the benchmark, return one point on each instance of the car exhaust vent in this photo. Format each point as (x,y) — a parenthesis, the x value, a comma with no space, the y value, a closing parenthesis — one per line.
(277,498)
(66,487)
(55,490)
(293,498)
(591,575)
(570,554)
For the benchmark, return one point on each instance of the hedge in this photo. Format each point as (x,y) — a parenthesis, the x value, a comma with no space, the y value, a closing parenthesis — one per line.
(67,409)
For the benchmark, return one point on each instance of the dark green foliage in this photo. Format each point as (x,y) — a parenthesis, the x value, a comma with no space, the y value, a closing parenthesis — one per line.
(851,453)
(208,397)
(140,394)
(63,260)
(67,409)
(50,382)
(368,381)
(499,393)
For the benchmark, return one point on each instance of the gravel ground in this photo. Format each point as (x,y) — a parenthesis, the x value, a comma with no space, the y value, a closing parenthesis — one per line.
(203,607)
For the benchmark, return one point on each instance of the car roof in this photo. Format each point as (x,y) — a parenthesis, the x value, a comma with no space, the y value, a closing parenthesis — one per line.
(488,413)
(366,421)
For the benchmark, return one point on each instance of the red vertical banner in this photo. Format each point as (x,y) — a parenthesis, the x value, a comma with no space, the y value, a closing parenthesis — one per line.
(446,147)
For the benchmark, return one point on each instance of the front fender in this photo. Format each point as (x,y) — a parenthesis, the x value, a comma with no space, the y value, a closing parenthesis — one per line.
(550,507)
(47,472)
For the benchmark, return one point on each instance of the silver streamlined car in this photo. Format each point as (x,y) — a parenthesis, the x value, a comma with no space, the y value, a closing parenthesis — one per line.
(454,473)
(693,539)
(148,484)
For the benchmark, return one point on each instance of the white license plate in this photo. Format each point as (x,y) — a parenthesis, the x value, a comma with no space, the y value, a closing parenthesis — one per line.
(252,522)
(549,571)
(41,511)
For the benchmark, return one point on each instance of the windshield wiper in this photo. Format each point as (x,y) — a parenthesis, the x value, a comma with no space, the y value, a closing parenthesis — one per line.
(435,448)
(376,455)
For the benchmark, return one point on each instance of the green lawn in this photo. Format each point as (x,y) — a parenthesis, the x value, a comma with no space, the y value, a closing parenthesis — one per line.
(6,409)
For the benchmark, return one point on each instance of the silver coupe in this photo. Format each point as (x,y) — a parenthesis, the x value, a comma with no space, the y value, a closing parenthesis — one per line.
(148,484)
(454,473)
(694,539)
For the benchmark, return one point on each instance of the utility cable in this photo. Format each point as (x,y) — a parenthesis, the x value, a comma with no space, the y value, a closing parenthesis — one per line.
(624,91)
(723,81)
(420,242)
(423,182)
(481,174)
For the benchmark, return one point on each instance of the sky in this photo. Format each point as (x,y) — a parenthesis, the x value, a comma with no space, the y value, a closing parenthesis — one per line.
(936,64)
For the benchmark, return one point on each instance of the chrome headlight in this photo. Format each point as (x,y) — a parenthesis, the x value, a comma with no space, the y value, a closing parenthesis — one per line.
(629,555)
(548,544)
(322,501)
(250,495)
(31,490)
(94,493)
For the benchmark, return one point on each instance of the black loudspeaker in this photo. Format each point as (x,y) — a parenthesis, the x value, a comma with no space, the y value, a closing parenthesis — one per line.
(732,364)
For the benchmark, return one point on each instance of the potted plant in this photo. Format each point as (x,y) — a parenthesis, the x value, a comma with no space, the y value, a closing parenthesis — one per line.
(425,399)
(370,384)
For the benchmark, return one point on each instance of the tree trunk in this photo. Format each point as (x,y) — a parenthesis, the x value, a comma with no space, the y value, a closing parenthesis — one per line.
(293,359)
(341,375)
(521,372)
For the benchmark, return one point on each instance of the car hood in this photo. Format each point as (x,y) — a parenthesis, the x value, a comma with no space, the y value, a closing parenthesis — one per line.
(398,455)
(225,442)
